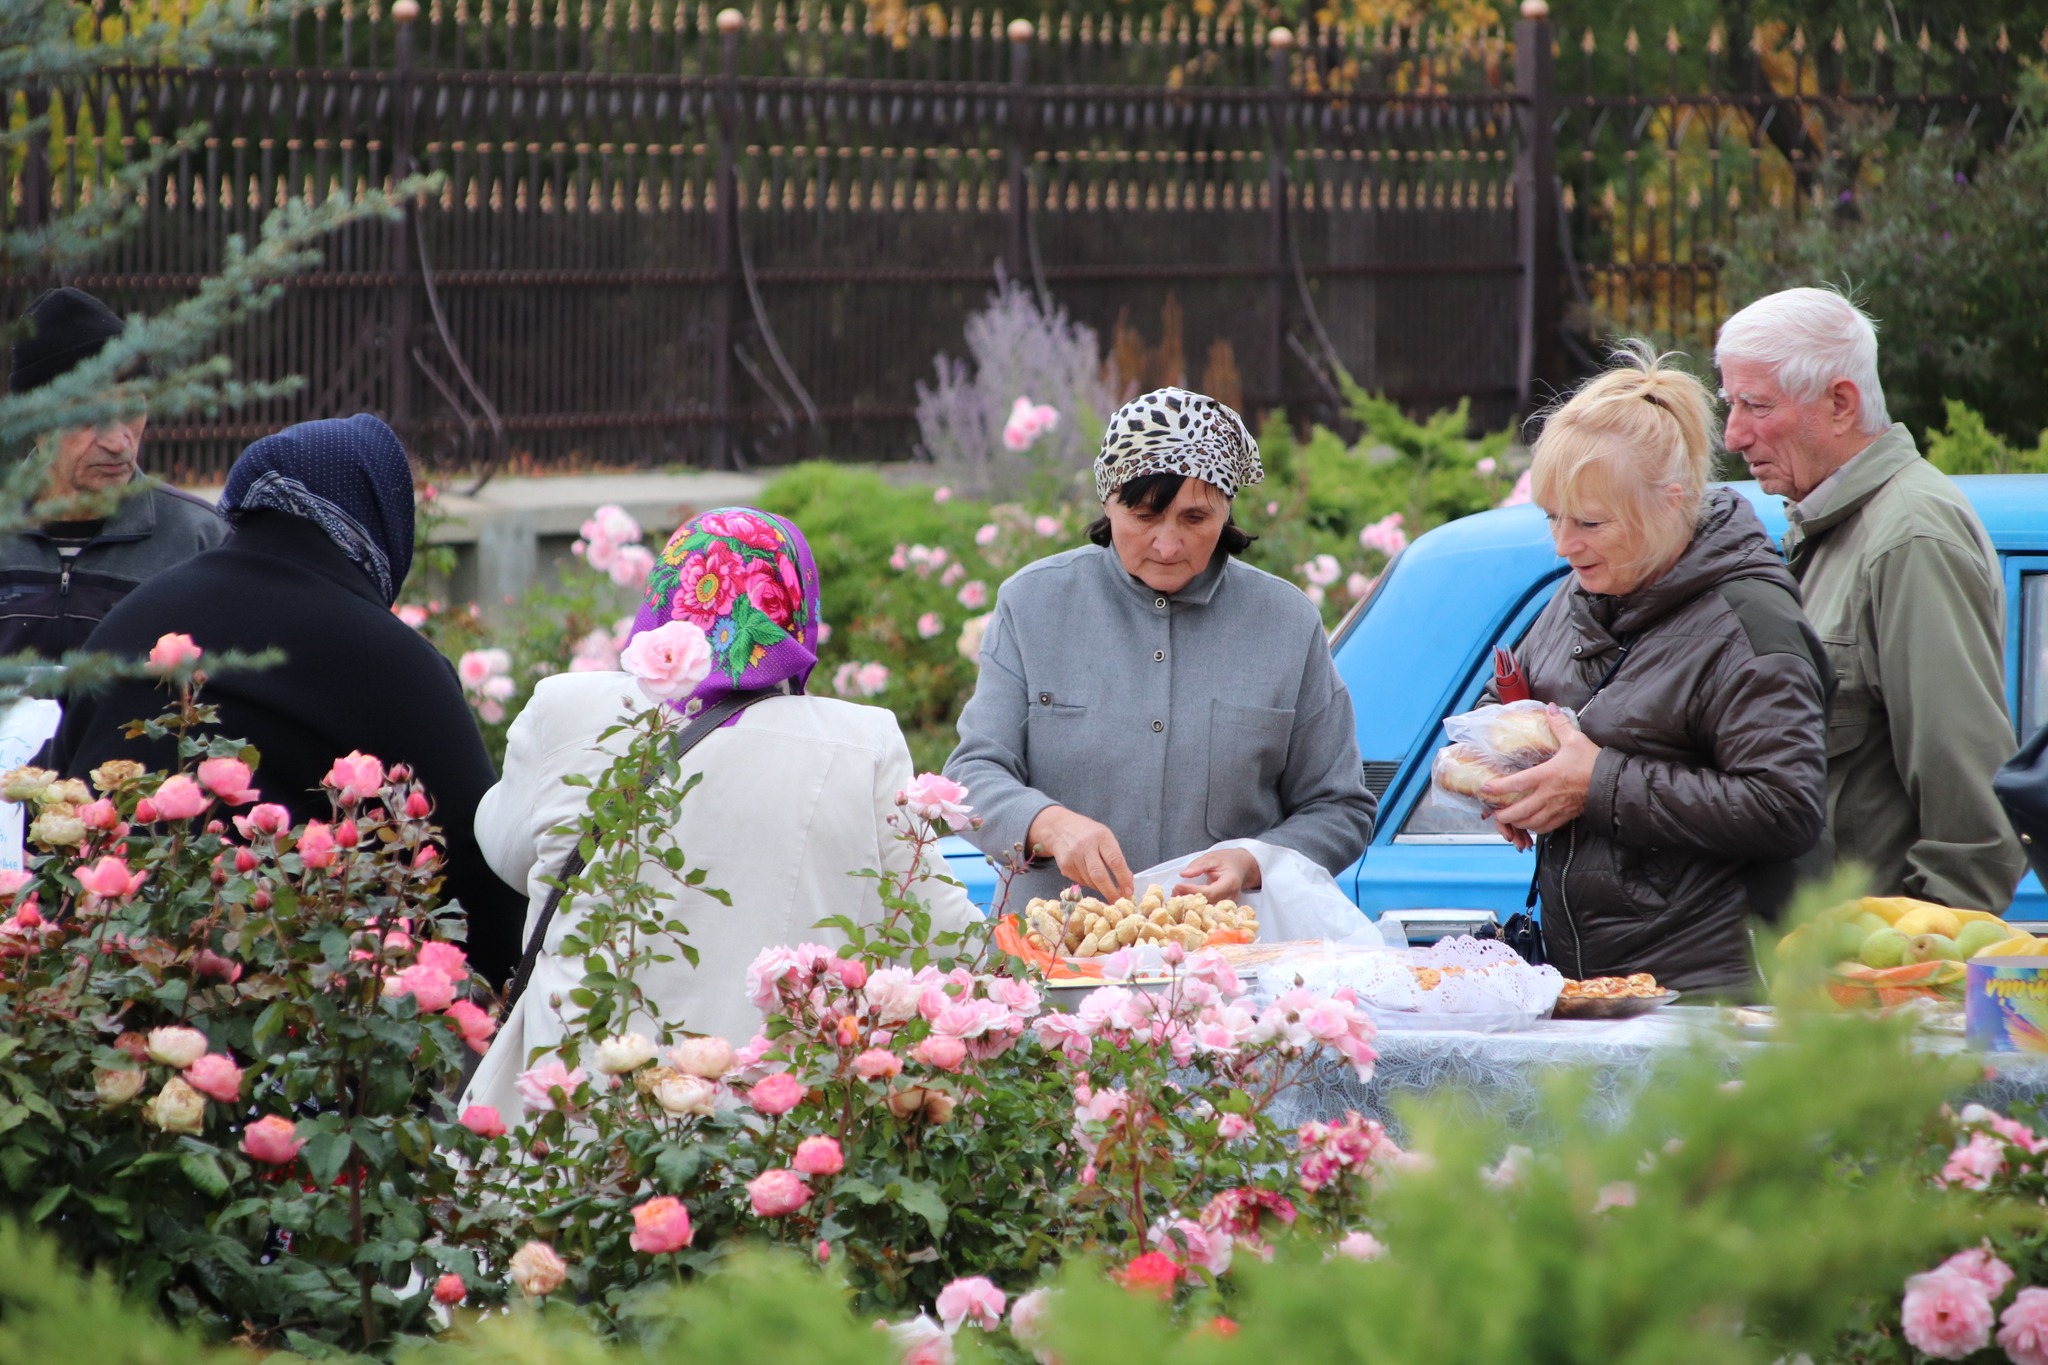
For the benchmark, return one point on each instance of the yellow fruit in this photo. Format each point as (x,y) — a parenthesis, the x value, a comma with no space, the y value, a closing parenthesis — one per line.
(1928,919)
(1977,916)
(1887,908)
(2020,945)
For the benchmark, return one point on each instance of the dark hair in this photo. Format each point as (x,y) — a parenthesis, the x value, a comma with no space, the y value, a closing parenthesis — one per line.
(1154,493)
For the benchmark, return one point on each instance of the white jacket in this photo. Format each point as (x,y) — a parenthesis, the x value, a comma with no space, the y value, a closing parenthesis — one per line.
(795,798)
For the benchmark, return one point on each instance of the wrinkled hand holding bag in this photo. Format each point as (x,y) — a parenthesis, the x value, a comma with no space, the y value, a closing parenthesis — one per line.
(2022,787)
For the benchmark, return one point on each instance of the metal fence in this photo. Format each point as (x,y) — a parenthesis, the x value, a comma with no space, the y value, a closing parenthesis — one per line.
(661,236)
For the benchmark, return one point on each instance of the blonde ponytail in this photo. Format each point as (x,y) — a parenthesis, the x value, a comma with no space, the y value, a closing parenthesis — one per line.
(1622,442)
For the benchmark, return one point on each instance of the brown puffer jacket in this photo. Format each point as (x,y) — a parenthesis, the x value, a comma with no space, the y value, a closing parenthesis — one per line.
(1712,776)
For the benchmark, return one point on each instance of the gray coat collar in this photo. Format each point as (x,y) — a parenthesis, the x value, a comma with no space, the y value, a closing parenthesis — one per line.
(1199,591)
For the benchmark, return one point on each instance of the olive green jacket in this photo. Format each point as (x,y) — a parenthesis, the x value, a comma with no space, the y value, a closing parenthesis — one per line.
(1903,587)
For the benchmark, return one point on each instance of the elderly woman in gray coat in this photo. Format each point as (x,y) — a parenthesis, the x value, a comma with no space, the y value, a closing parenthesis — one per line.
(1149,695)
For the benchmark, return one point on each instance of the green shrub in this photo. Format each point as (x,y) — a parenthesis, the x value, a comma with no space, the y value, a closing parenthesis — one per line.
(1967,446)
(1943,241)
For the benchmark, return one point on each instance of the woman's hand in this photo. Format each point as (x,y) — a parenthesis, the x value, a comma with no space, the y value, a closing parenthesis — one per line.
(1227,872)
(1084,850)
(1520,838)
(1553,793)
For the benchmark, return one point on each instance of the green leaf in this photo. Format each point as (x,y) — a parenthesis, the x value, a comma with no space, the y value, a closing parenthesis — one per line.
(926,1202)
(47,1205)
(204,1172)
(324,1155)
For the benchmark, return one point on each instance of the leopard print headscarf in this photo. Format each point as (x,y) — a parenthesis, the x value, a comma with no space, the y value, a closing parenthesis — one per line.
(1173,431)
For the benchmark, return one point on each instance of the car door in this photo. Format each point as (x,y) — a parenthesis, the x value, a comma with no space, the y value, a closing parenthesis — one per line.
(2026,675)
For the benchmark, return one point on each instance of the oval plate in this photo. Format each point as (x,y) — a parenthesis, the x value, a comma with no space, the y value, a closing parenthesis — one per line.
(1611,1007)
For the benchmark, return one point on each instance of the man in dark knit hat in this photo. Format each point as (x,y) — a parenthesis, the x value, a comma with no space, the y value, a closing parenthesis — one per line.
(58,579)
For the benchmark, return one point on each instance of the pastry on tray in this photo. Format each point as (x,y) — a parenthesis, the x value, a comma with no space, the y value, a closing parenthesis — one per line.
(1088,927)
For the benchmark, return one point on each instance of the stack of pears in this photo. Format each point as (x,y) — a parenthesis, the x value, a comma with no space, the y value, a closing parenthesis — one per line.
(1882,932)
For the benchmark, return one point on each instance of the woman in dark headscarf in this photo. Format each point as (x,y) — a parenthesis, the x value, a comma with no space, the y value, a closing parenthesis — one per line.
(796,796)
(323,536)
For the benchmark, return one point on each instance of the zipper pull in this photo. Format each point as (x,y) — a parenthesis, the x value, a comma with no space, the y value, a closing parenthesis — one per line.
(64,583)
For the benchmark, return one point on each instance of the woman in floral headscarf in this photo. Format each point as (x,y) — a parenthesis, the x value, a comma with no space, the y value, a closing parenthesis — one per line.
(796,794)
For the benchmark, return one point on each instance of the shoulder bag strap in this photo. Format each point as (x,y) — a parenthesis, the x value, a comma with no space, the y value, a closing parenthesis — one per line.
(703,724)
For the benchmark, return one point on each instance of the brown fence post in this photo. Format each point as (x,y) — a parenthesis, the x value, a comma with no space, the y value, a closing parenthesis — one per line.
(35,169)
(725,446)
(1540,347)
(398,237)
(1279,42)
(1017,241)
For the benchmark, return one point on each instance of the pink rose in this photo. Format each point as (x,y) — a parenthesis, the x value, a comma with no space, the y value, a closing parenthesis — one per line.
(933,797)
(171,652)
(1027,1315)
(101,814)
(971,1299)
(447,959)
(449,1290)
(110,879)
(271,1140)
(707,1058)
(660,1226)
(668,661)
(316,846)
(1047,527)
(1981,1264)
(1946,1315)
(2023,1332)
(930,626)
(228,779)
(922,1342)
(708,583)
(941,1051)
(1973,1164)
(973,596)
(476,667)
(613,523)
(416,617)
(354,777)
(208,965)
(430,989)
(871,679)
(819,1156)
(12,879)
(179,798)
(483,1120)
(216,1076)
(851,971)
(269,819)
(877,1064)
(1619,1195)
(1231,1127)
(777,1192)
(777,1094)
(1361,1246)
(537,1086)
(631,565)
(475,1024)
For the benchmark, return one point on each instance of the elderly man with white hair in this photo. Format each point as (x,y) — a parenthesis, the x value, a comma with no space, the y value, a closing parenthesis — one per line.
(1903,587)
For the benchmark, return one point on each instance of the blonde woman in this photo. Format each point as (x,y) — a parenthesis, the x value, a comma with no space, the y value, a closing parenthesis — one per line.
(1698,773)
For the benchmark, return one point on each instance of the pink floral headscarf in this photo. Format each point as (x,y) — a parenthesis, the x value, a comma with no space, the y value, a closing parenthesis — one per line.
(747,578)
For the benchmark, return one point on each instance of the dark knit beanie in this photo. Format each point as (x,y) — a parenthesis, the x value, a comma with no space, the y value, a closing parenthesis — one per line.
(69,326)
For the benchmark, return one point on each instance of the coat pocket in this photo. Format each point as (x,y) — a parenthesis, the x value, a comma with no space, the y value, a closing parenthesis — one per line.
(1247,754)
(1850,713)
(1063,753)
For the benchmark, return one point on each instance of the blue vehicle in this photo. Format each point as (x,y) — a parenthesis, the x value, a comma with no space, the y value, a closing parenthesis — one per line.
(1419,648)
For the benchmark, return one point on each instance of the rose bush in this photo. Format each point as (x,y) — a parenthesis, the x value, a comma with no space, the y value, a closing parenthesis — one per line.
(222,1038)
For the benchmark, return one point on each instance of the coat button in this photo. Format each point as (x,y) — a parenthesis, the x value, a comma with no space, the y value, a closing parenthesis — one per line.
(1159,602)
(1578,649)
(1158,656)
(1157,726)
(1045,699)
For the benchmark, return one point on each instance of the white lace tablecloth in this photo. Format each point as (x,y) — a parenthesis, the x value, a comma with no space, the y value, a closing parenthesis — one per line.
(1502,1074)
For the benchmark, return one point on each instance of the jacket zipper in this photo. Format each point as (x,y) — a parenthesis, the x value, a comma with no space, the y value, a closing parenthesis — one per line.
(1564,902)
(64,581)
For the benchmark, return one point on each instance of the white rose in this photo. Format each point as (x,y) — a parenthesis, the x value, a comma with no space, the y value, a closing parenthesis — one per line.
(177,1108)
(894,993)
(178,1047)
(116,1088)
(628,1052)
(684,1095)
(710,1058)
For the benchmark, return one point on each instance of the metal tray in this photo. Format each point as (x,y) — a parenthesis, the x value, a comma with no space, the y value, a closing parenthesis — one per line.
(1616,1007)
